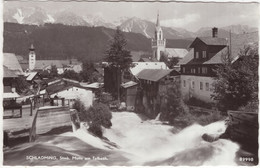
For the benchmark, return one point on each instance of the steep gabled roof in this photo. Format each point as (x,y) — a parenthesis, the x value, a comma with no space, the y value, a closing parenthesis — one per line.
(153,74)
(11,62)
(209,41)
(187,58)
(9,73)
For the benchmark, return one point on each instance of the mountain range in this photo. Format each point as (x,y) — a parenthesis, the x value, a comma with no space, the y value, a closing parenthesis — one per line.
(38,16)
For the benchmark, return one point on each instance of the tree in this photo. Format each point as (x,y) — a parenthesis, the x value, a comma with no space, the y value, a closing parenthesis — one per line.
(237,82)
(87,70)
(118,57)
(96,116)
(170,62)
(70,74)
(89,73)
(53,71)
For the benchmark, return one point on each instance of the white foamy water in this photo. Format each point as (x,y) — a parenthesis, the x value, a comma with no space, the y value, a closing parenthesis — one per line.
(149,142)
(138,142)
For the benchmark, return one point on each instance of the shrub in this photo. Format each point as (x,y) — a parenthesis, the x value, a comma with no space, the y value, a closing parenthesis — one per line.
(98,115)
(196,102)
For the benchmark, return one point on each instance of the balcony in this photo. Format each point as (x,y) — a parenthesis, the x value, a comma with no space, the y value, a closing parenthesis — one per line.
(158,42)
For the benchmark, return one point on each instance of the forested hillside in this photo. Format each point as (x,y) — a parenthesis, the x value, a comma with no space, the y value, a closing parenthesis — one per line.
(57,41)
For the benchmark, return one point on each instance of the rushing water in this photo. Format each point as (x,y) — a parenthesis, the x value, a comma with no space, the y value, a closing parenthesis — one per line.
(133,142)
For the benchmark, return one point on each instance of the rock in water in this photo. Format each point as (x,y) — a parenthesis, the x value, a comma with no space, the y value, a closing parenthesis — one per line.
(210,138)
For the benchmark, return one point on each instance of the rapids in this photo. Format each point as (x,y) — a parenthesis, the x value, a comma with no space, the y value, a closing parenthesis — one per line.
(137,142)
(149,141)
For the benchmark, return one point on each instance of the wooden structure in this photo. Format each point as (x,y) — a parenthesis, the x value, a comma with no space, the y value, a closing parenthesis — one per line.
(154,84)
(48,118)
(243,128)
(244,125)
(128,94)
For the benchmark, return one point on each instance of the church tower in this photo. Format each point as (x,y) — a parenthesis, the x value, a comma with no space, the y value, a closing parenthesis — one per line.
(158,43)
(32,58)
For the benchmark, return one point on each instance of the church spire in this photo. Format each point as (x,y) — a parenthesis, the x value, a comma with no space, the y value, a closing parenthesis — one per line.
(31,48)
(158,20)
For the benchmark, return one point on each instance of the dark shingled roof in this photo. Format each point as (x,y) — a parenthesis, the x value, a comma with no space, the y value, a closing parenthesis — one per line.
(209,41)
(238,42)
(153,74)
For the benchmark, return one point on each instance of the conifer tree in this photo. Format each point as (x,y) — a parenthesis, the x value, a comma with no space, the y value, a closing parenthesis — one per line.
(118,57)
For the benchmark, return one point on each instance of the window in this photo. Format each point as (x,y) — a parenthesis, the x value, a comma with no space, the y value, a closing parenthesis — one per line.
(193,70)
(183,69)
(204,70)
(184,83)
(204,54)
(207,86)
(201,86)
(198,69)
(197,55)
(193,84)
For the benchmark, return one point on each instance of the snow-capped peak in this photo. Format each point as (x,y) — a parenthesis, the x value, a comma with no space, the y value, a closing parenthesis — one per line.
(50,19)
(18,16)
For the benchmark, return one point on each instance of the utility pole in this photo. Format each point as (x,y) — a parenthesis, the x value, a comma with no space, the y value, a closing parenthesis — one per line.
(118,83)
(230,52)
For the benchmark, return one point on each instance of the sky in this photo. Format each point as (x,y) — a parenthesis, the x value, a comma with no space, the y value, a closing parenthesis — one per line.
(190,16)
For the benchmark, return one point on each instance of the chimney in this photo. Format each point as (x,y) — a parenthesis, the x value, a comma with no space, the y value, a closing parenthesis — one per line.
(214,32)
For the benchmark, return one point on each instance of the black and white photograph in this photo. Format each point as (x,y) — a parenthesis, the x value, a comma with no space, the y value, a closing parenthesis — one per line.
(130,83)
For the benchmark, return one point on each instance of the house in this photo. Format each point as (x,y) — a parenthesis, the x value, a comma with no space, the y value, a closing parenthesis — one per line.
(69,94)
(128,94)
(10,95)
(9,80)
(11,62)
(206,54)
(153,87)
(66,91)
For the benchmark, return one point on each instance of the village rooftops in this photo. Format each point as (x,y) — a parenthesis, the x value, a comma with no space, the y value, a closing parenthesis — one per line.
(41,64)
(11,62)
(154,74)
